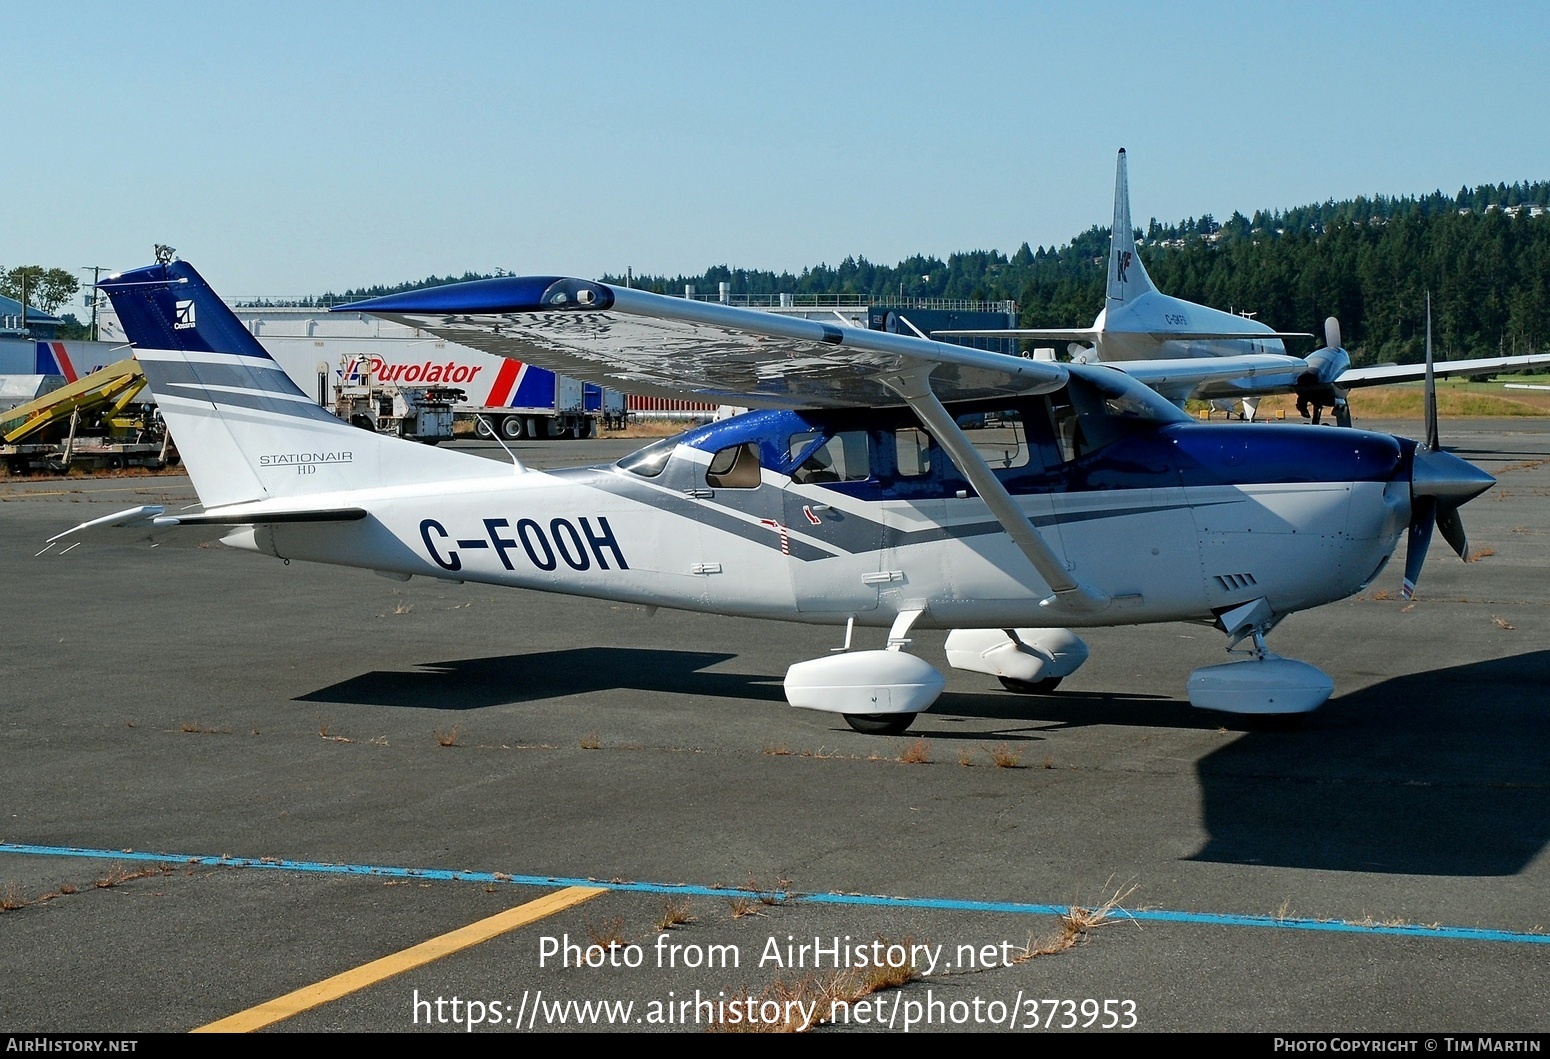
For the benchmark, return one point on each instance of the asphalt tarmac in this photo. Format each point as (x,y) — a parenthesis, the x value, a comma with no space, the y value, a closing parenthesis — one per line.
(228,781)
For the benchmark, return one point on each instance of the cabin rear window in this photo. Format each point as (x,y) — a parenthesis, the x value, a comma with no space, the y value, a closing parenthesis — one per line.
(842,457)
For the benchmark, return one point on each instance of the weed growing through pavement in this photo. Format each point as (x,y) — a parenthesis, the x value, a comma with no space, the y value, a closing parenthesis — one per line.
(917,753)
(810,993)
(743,907)
(1077,923)
(448,738)
(609,933)
(675,913)
(1005,757)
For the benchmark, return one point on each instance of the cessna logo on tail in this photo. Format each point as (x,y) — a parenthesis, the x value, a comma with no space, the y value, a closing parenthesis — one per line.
(184,318)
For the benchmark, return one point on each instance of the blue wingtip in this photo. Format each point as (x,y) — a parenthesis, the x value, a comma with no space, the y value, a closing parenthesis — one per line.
(504,294)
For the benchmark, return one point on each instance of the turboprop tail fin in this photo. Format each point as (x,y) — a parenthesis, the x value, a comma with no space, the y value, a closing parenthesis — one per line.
(1127,276)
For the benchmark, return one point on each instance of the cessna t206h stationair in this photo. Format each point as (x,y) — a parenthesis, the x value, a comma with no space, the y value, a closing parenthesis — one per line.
(888,481)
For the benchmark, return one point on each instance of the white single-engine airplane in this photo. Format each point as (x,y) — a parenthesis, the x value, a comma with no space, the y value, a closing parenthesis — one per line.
(1080,498)
(1164,340)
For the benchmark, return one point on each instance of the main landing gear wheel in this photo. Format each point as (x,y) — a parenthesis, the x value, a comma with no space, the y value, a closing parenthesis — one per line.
(1030,687)
(879,723)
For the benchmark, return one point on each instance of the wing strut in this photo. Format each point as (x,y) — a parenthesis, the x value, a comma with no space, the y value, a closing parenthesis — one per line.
(1070,595)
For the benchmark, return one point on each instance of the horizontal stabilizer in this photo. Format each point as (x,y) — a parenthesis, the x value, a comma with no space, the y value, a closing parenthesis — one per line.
(1053,334)
(151,522)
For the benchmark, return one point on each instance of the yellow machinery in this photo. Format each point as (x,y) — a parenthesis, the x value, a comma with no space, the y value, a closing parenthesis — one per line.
(91,414)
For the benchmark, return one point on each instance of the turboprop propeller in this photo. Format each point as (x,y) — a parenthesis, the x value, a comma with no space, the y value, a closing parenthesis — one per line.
(1317,387)
(1440,483)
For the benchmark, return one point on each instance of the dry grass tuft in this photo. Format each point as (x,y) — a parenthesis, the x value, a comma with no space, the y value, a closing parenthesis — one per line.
(1005,757)
(1283,911)
(776,750)
(1382,594)
(402,608)
(1502,623)
(118,874)
(819,995)
(325,732)
(11,899)
(917,753)
(448,738)
(609,933)
(1049,761)
(1478,554)
(1075,926)
(591,741)
(965,758)
(675,913)
(742,907)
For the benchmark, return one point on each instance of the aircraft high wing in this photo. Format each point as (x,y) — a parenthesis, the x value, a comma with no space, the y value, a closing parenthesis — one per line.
(889,482)
(1139,324)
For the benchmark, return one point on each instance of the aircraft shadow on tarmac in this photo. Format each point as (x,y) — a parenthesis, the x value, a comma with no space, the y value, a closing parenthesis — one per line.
(476,683)
(1029,716)
(1439,773)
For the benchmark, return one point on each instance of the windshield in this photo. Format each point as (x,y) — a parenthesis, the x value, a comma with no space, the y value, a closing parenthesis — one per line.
(649,461)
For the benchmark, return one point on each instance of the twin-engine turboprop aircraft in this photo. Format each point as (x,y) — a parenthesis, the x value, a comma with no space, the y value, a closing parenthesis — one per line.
(1186,350)
(889,481)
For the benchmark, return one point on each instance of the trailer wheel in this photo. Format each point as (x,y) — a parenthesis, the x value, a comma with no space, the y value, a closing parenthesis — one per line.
(581,428)
(511,428)
(482,428)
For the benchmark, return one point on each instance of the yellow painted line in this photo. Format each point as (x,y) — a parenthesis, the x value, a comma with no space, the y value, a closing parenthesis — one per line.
(256,1018)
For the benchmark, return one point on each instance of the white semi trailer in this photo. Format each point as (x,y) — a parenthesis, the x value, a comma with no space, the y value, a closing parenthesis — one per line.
(325,351)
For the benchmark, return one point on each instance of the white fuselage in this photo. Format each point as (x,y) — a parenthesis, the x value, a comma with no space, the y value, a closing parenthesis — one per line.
(1139,329)
(806,553)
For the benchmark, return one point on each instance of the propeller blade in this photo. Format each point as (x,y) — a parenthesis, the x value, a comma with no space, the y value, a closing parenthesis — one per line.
(1423,516)
(1453,528)
(1431,383)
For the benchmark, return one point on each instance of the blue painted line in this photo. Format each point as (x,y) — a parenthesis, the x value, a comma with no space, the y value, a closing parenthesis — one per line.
(1146,915)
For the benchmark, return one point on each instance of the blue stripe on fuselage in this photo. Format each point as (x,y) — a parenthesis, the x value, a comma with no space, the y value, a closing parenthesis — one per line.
(1149,457)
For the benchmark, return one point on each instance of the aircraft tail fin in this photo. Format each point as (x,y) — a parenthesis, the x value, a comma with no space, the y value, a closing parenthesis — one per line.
(244,430)
(1127,276)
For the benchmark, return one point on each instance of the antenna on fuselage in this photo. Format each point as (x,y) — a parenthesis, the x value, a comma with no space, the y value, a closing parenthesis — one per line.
(517,466)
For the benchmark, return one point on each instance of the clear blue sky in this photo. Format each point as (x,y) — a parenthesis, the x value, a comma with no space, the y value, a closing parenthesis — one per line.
(290,148)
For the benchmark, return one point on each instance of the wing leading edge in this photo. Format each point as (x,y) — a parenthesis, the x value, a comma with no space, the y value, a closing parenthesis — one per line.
(652,344)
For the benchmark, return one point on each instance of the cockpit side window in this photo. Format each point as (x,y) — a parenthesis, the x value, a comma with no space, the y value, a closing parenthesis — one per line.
(736,467)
